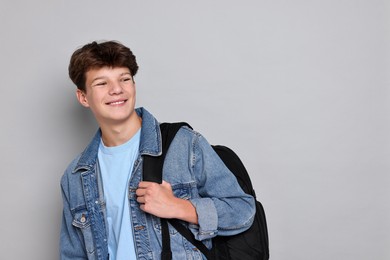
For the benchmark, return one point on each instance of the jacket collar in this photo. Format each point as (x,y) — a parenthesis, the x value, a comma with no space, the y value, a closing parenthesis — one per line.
(150,143)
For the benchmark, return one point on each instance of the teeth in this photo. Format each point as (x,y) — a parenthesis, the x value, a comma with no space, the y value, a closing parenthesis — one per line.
(117,103)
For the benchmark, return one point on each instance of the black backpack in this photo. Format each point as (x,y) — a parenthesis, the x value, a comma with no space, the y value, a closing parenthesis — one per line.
(251,244)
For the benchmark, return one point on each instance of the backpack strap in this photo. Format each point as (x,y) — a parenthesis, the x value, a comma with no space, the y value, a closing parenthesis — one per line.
(166,252)
(152,171)
(185,232)
(153,165)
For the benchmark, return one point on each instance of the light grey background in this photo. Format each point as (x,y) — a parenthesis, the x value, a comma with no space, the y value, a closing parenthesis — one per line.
(300,89)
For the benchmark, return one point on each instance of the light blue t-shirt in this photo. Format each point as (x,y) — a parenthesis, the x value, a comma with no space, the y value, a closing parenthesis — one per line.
(116,164)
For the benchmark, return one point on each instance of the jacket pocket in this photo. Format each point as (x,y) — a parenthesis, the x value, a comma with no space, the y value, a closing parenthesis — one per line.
(81,220)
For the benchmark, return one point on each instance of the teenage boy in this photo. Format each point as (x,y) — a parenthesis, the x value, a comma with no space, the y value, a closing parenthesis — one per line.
(109,212)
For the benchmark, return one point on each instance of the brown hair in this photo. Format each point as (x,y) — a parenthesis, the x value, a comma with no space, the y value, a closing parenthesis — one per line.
(97,55)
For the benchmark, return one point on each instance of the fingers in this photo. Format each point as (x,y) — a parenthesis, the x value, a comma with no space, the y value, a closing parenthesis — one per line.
(148,190)
(154,198)
(146,184)
(145,187)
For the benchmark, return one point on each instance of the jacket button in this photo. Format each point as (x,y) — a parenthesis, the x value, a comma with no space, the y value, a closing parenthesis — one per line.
(139,227)
(83,219)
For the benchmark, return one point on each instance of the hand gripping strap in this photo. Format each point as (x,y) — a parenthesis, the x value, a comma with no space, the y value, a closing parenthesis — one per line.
(152,171)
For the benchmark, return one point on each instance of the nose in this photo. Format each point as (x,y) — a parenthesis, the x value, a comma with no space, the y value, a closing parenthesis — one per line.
(115,88)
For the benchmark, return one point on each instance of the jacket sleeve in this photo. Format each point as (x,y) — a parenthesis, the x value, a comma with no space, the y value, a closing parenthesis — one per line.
(71,243)
(223,208)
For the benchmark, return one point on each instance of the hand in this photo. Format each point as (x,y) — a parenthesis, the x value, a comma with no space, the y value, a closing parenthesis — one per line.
(159,200)
(156,199)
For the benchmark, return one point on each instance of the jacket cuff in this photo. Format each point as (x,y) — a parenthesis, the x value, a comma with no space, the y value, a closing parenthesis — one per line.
(207,219)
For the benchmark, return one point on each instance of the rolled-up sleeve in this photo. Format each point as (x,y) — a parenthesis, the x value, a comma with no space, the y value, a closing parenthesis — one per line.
(223,208)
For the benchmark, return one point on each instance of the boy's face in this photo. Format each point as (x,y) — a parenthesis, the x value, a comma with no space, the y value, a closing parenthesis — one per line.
(110,94)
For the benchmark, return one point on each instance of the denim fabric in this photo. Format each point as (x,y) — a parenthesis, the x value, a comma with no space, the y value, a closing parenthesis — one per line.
(195,172)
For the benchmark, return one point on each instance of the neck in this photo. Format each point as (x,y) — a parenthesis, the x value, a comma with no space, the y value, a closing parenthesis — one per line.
(114,135)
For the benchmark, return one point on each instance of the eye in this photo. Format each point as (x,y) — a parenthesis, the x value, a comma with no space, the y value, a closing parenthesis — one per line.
(125,79)
(101,84)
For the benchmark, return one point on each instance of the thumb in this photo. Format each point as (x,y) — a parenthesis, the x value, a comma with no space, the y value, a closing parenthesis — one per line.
(166,185)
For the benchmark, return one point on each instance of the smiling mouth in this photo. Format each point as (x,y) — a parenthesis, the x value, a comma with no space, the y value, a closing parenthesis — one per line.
(116,103)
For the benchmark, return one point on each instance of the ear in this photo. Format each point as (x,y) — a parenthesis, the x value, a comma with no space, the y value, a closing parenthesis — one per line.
(82,98)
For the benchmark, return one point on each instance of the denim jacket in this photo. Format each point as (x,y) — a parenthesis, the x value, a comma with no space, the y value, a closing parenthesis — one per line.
(195,172)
